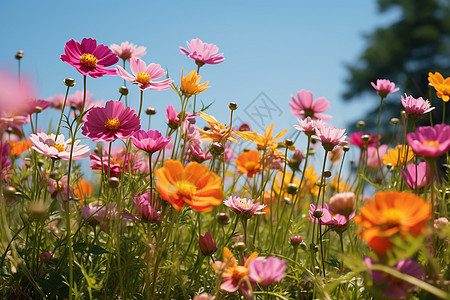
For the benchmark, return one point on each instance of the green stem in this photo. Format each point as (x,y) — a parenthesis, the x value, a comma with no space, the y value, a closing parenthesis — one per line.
(140,103)
(62,111)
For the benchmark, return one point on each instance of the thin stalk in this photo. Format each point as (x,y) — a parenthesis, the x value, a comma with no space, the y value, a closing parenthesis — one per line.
(140,103)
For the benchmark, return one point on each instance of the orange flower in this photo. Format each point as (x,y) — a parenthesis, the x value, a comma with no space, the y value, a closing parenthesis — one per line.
(233,275)
(268,198)
(190,85)
(397,156)
(83,189)
(249,162)
(18,148)
(441,85)
(220,132)
(194,185)
(390,213)
(266,140)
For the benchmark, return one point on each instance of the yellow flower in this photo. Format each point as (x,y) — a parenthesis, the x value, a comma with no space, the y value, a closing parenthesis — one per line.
(441,85)
(190,84)
(266,141)
(220,132)
(309,183)
(397,156)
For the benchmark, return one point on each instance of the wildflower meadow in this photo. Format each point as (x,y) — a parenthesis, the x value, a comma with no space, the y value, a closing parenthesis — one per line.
(210,208)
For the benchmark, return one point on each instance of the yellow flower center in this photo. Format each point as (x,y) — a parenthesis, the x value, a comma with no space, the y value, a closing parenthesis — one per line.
(240,272)
(185,189)
(89,60)
(243,203)
(393,216)
(431,143)
(59,147)
(117,161)
(112,124)
(250,165)
(143,77)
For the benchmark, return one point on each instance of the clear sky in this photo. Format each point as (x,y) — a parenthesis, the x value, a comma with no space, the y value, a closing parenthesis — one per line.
(274,47)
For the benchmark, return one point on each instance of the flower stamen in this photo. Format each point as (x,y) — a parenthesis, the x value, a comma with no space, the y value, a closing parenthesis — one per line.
(89,60)
(112,124)
(143,78)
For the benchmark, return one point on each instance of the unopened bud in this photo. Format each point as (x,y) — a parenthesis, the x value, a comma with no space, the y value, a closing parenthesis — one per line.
(295,240)
(223,218)
(38,210)
(318,214)
(361,124)
(38,109)
(239,246)
(150,111)
(289,143)
(244,127)
(313,247)
(216,148)
(292,188)
(365,137)
(395,121)
(113,182)
(70,82)
(19,55)
(287,200)
(123,90)
(233,106)
(346,148)
(9,192)
(327,174)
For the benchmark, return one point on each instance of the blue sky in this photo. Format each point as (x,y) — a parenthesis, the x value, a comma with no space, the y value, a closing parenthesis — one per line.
(277,48)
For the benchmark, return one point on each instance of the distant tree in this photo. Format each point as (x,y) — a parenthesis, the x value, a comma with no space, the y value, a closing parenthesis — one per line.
(404,52)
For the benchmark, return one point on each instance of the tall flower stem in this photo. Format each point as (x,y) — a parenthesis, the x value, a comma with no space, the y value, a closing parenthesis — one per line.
(125,84)
(322,185)
(378,134)
(140,103)
(321,246)
(62,111)
(340,171)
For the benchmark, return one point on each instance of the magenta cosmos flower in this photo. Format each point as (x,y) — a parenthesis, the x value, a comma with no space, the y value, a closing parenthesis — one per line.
(145,75)
(415,108)
(150,141)
(308,125)
(116,163)
(393,287)
(304,106)
(384,87)
(356,139)
(32,105)
(331,136)
(114,121)
(57,147)
(89,58)
(430,141)
(244,207)
(266,271)
(145,209)
(127,50)
(203,53)
(421,178)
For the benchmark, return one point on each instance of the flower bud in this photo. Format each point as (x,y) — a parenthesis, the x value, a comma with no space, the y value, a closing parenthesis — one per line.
(295,240)
(46,255)
(239,246)
(292,188)
(395,121)
(223,218)
(150,111)
(327,174)
(289,143)
(318,214)
(346,148)
(287,200)
(313,247)
(38,210)
(207,244)
(361,124)
(9,192)
(70,82)
(123,90)
(342,203)
(216,148)
(233,106)
(244,127)
(113,182)
(296,159)
(19,55)
(365,137)
(441,222)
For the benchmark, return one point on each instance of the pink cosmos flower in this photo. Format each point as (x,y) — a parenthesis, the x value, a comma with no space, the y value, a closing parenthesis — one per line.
(14,117)
(32,104)
(384,87)
(415,108)
(98,213)
(430,141)
(75,101)
(203,53)
(314,213)
(356,139)
(145,75)
(393,286)
(342,203)
(420,179)
(372,156)
(172,116)
(56,101)
(266,271)
(57,147)
(13,95)
(245,208)
(304,106)
(204,296)
(58,189)
(145,209)
(89,58)
(127,50)
(150,141)
(116,163)
(331,136)
(198,154)
(114,121)
(308,125)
